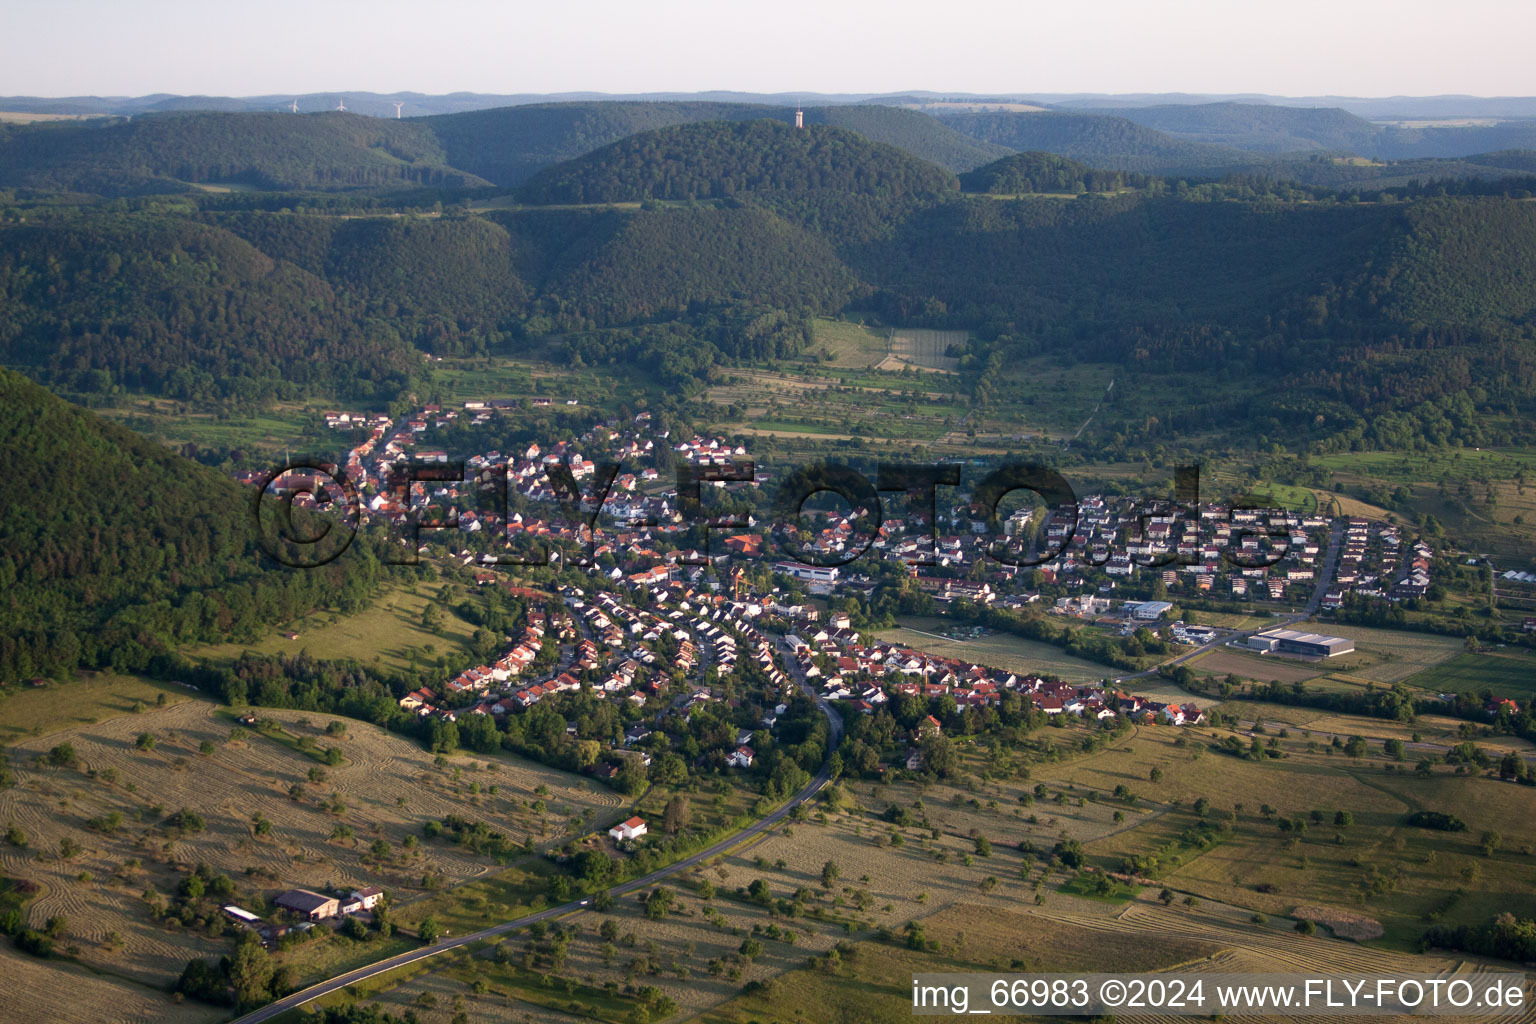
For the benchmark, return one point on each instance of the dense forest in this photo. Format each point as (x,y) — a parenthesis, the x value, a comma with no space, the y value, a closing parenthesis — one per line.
(508,145)
(159,152)
(681,352)
(1383,310)
(660,261)
(185,310)
(723,159)
(1260,127)
(433,282)
(1046,172)
(1113,143)
(166,150)
(1277,129)
(114,549)
(505,146)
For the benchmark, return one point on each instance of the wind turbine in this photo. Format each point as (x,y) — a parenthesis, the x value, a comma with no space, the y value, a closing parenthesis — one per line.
(341,104)
(397,110)
(294,106)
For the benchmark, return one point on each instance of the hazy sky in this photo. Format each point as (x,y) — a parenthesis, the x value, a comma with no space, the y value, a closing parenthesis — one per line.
(1301,47)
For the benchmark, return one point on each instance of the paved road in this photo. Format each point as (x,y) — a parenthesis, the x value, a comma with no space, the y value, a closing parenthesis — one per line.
(341,981)
(303,996)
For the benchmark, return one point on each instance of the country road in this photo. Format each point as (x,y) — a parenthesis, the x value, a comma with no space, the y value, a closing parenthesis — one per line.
(815,786)
(341,981)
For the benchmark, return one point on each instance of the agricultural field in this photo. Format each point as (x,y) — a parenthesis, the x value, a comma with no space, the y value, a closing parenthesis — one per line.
(843,403)
(1379,866)
(1230,620)
(1297,499)
(873,980)
(925,349)
(1332,503)
(1455,486)
(999,650)
(388,633)
(290,426)
(849,344)
(88,698)
(513,892)
(1452,463)
(1003,911)
(1435,733)
(1040,395)
(29,117)
(910,851)
(61,993)
(535,372)
(322,819)
(1224,661)
(888,873)
(1509,673)
(1438,730)
(1387,655)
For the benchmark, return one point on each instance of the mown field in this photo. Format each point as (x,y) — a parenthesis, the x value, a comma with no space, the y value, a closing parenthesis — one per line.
(54,992)
(888,873)
(928,349)
(88,698)
(1455,485)
(388,633)
(999,650)
(1297,499)
(1227,660)
(721,955)
(324,820)
(1511,674)
(1376,865)
(843,343)
(285,426)
(1388,655)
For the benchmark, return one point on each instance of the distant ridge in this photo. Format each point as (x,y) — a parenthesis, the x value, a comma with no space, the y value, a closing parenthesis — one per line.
(714,160)
(1112,143)
(509,145)
(163,152)
(417,104)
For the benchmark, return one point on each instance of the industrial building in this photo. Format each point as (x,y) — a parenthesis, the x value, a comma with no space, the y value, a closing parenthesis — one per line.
(1148,611)
(1290,641)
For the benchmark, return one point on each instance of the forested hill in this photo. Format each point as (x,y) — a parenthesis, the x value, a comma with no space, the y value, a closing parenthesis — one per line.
(1025,173)
(505,146)
(188,310)
(508,145)
(912,131)
(114,549)
(1259,127)
(1114,143)
(721,159)
(658,262)
(1279,129)
(162,152)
